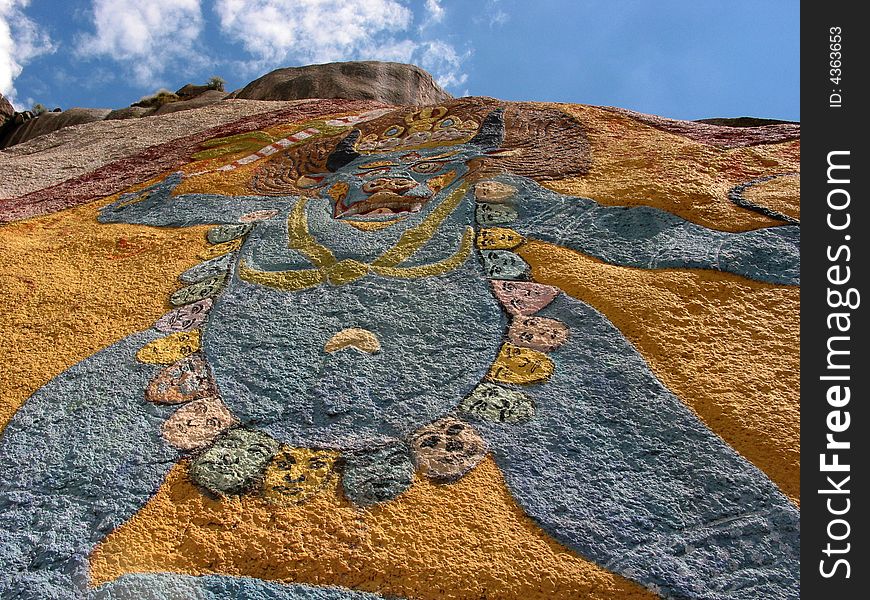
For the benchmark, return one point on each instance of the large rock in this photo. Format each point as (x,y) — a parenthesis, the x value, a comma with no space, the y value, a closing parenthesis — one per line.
(130,112)
(52,121)
(202,99)
(6,110)
(393,83)
(191,91)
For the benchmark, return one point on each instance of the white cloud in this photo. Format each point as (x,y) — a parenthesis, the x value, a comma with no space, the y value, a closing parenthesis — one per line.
(149,37)
(284,32)
(21,40)
(445,64)
(499,18)
(492,14)
(276,31)
(435,12)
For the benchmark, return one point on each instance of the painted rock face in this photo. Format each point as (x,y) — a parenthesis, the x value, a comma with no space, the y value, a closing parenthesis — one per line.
(171,348)
(235,463)
(538,333)
(515,364)
(495,214)
(377,474)
(447,449)
(198,291)
(197,424)
(296,474)
(493,191)
(209,268)
(496,403)
(225,233)
(501,264)
(185,380)
(184,318)
(523,297)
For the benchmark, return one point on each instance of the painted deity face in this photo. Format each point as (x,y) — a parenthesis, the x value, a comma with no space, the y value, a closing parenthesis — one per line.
(447,449)
(387,188)
(296,474)
(406,171)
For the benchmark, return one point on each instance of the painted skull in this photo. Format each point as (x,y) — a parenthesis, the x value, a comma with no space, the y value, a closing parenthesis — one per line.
(235,463)
(296,474)
(184,318)
(501,264)
(493,191)
(538,333)
(523,297)
(447,449)
(496,403)
(197,424)
(377,474)
(185,380)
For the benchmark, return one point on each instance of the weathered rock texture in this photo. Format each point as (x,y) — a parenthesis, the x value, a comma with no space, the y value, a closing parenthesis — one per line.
(722,132)
(340,349)
(391,83)
(48,122)
(6,110)
(204,99)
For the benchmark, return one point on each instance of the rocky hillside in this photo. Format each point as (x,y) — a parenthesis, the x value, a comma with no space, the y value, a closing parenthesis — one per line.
(391,83)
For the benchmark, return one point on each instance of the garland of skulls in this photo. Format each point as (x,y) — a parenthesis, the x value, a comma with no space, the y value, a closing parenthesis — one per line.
(226,458)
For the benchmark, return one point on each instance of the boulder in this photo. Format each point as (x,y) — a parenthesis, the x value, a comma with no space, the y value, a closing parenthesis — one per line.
(131,112)
(6,110)
(393,83)
(51,121)
(191,91)
(744,122)
(204,99)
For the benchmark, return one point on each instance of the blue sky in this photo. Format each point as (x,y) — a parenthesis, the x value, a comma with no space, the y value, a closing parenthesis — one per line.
(681,59)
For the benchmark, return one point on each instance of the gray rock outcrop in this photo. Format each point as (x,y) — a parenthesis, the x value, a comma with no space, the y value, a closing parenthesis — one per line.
(393,83)
(51,121)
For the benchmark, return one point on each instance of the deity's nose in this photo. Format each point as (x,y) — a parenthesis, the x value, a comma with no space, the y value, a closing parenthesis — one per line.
(396,185)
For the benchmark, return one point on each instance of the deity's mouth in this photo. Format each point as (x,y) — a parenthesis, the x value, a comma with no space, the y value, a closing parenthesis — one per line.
(381,204)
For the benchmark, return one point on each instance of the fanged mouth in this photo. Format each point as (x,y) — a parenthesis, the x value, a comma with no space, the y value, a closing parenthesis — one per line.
(381,204)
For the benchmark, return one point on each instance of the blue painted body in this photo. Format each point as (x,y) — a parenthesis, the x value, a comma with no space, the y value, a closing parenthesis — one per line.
(612,465)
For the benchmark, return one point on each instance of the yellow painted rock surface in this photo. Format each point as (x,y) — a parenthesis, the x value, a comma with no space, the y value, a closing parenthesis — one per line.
(463,540)
(709,337)
(72,287)
(535,458)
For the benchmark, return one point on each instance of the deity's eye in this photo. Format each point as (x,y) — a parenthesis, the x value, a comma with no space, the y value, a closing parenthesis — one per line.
(373,172)
(316,463)
(427,167)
